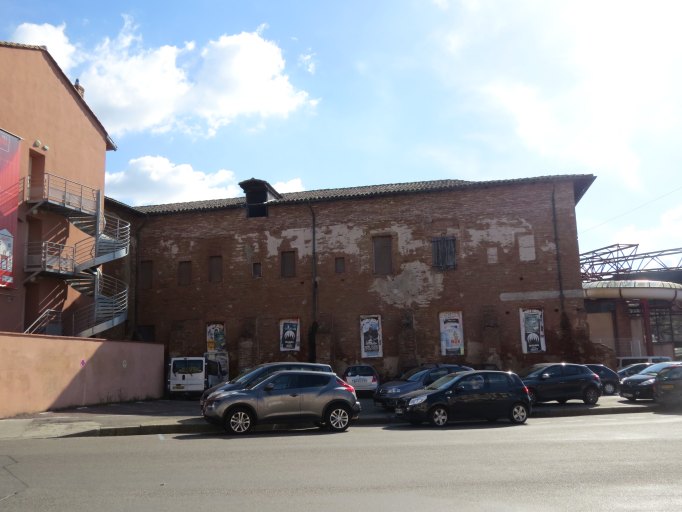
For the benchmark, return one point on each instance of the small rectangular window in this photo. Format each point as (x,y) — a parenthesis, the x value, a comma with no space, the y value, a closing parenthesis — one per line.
(256,270)
(443,252)
(184,273)
(288,263)
(146,275)
(340,265)
(215,269)
(383,263)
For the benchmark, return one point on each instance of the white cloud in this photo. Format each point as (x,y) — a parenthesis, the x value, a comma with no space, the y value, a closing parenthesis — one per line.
(307,62)
(649,238)
(52,37)
(157,180)
(293,185)
(133,88)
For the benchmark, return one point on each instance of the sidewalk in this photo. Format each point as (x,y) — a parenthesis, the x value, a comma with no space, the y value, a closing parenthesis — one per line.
(183,416)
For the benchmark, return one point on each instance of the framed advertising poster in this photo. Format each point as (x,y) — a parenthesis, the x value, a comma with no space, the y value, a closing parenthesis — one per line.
(215,337)
(290,334)
(451,334)
(532,331)
(371,343)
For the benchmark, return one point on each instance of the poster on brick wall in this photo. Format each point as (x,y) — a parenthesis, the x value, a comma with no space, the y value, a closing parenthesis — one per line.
(370,336)
(215,337)
(451,334)
(532,331)
(10,188)
(290,334)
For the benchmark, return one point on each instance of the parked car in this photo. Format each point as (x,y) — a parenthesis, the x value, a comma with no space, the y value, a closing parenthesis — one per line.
(609,379)
(286,397)
(628,360)
(641,385)
(632,369)
(668,386)
(363,377)
(484,394)
(561,382)
(387,394)
(251,375)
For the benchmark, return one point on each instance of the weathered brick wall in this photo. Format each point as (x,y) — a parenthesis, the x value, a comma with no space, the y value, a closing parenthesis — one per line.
(506,259)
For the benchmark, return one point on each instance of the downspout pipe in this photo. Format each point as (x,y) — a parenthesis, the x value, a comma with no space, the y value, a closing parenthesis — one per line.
(558,250)
(312,334)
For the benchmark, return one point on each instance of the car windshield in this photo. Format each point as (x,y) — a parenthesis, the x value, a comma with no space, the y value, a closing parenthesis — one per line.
(247,375)
(532,371)
(443,382)
(654,369)
(415,375)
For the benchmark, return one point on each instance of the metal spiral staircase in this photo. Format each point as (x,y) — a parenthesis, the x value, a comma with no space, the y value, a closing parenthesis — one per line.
(108,239)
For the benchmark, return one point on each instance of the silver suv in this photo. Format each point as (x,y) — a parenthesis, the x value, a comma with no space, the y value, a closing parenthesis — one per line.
(286,397)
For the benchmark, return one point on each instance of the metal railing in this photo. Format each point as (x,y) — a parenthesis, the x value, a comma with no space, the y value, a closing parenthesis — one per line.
(50,257)
(109,308)
(50,317)
(63,192)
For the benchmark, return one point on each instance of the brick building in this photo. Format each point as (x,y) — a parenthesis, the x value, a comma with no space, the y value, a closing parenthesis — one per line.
(394,275)
(54,234)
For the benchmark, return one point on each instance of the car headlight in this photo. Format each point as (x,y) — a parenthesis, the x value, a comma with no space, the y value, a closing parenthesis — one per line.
(417,400)
(394,390)
(648,382)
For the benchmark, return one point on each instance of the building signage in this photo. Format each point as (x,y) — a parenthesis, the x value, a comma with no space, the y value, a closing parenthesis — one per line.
(451,334)
(370,336)
(9,204)
(532,331)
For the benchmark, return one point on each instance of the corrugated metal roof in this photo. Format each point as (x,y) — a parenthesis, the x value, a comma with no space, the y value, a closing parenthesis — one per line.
(581,184)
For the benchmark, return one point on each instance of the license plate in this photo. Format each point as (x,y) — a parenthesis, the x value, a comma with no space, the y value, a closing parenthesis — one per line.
(667,386)
(178,386)
(398,410)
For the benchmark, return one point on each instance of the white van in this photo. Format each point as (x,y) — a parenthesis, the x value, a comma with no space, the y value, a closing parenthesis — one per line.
(627,361)
(192,375)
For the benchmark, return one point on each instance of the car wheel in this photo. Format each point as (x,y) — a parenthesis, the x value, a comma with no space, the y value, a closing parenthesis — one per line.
(591,396)
(337,418)
(438,416)
(239,421)
(609,388)
(518,414)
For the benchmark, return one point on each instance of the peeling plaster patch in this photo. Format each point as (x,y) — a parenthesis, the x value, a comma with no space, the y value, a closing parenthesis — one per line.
(416,285)
(548,247)
(406,244)
(170,247)
(340,238)
(495,231)
(526,248)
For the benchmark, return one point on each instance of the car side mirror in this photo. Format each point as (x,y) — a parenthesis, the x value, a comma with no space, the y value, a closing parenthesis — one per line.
(269,386)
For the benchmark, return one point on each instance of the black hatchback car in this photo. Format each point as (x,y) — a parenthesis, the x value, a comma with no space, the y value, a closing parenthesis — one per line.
(668,386)
(482,394)
(387,394)
(561,382)
(609,379)
(641,385)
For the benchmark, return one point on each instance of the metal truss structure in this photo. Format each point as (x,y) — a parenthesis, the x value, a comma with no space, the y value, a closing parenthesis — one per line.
(621,261)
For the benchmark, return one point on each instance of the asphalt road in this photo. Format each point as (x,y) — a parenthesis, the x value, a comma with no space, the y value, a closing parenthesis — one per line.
(605,462)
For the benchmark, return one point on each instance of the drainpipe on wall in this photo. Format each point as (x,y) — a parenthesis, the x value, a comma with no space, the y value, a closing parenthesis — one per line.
(558,252)
(312,333)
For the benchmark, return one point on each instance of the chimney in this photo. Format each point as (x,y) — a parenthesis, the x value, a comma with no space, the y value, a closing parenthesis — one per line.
(79,88)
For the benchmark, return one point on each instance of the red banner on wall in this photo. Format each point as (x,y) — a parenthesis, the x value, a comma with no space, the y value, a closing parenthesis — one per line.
(9,204)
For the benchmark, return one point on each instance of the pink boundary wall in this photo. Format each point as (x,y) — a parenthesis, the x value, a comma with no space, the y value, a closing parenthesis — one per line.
(40,373)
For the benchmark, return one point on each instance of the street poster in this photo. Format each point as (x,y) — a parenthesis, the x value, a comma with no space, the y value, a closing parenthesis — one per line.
(451,334)
(9,204)
(370,336)
(532,331)
(215,337)
(290,334)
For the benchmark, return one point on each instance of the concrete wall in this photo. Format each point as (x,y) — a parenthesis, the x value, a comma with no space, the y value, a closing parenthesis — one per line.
(41,373)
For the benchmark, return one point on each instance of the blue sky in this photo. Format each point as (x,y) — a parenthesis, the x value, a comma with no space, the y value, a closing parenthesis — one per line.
(201,95)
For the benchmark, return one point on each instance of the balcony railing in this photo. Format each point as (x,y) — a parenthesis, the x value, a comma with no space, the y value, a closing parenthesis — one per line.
(63,192)
(50,257)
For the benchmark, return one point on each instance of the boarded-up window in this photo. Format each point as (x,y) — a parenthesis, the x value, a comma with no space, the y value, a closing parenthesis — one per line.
(288,263)
(256,270)
(492,254)
(383,263)
(146,276)
(443,252)
(340,265)
(526,248)
(215,269)
(184,273)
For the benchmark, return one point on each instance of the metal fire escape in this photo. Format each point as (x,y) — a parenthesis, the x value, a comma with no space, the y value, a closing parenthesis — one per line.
(108,239)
